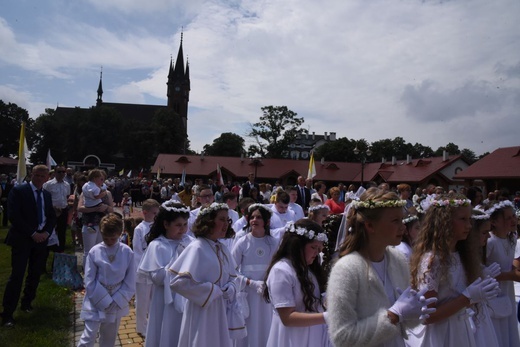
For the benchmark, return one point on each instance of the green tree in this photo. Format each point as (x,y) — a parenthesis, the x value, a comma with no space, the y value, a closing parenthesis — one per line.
(277,128)
(11,118)
(227,145)
(168,135)
(451,148)
(469,154)
(340,150)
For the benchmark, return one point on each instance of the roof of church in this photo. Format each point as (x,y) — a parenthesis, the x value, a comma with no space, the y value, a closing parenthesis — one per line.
(130,111)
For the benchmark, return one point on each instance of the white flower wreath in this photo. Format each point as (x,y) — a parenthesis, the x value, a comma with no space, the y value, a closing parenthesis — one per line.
(310,234)
(484,216)
(167,207)
(500,205)
(213,207)
(318,207)
(262,206)
(371,204)
(410,219)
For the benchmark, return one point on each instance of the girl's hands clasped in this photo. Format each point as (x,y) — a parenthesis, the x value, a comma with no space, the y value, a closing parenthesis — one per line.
(412,305)
(482,290)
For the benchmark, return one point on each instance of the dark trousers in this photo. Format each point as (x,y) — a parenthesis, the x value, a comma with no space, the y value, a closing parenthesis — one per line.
(61,229)
(23,257)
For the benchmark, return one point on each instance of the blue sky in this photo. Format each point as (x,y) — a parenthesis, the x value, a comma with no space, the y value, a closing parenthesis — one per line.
(431,72)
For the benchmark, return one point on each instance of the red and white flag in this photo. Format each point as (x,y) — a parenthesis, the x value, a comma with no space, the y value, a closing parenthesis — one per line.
(220,179)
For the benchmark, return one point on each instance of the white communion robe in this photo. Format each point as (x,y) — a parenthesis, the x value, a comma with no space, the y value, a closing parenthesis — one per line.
(107,282)
(164,319)
(285,291)
(252,256)
(198,274)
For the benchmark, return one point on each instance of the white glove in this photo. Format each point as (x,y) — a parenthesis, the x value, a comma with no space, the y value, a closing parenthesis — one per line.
(228,291)
(259,286)
(481,290)
(492,270)
(412,305)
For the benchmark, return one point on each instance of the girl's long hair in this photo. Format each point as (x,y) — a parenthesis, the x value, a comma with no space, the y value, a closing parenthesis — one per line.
(357,239)
(435,236)
(163,216)
(292,248)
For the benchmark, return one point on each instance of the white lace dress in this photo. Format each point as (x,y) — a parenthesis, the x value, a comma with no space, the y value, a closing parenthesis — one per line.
(502,251)
(455,330)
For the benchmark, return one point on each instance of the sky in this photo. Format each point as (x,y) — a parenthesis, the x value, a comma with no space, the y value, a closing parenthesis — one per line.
(431,72)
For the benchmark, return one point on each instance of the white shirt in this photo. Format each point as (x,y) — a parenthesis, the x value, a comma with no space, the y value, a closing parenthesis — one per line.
(60,192)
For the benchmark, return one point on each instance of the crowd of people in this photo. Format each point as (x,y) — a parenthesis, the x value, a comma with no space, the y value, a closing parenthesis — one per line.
(267,265)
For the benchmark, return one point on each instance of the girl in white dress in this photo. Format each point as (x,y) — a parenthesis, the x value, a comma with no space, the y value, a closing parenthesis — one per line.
(252,254)
(485,335)
(295,283)
(318,212)
(501,249)
(412,224)
(109,285)
(365,305)
(166,241)
(204,274)
(447,265)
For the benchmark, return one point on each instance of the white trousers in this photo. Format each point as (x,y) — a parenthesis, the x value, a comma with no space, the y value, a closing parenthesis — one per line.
(107,333)
(89,241)
(143,297)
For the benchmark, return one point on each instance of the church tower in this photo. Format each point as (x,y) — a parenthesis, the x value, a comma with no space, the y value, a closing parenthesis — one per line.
(179,87)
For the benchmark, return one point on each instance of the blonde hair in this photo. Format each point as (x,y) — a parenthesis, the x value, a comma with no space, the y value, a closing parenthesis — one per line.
(357,238)
(435,236)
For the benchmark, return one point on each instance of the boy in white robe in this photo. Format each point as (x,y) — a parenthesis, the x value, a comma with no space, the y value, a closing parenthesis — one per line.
(143,285)
(109,284)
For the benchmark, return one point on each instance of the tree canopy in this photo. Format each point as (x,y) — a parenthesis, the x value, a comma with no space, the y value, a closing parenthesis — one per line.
(11,118)
(276,130)
(227,145)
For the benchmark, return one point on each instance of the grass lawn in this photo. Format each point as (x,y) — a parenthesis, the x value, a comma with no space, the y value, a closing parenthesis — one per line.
(50,323)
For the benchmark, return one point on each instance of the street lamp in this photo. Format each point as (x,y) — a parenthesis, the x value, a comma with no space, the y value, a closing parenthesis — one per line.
(363,158)
(256,162)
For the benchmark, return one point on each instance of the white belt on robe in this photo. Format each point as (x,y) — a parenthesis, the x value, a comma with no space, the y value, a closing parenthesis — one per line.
(111,287)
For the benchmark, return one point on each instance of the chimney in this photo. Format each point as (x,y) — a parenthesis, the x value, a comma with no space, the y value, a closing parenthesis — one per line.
(313,136)
(325,137)
(445,155)
(383,160)
(322,161)
(394,160)
(242,156)
(333,136)
(408,159)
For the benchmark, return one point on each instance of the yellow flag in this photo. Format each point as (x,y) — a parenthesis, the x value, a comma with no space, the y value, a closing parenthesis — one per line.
(312,168)
(122,172)
(21,171)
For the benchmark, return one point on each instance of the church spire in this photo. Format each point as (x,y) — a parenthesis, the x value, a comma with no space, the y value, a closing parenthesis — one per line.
(179,63)
(99,100)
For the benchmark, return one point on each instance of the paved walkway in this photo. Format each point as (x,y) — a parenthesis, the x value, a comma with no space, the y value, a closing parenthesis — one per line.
(127,335)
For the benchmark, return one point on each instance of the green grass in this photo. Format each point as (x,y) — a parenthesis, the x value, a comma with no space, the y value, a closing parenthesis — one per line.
(50,323)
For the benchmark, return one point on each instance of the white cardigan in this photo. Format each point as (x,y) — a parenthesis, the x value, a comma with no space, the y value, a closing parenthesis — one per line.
(357,302)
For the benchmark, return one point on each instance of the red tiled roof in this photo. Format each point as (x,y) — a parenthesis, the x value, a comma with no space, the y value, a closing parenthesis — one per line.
(418,170)
(502,163)
(8,161)
(195,165)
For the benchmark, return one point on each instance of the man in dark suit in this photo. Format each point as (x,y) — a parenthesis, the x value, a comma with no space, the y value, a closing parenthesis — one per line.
(32,220)
(304,194)
(246,187)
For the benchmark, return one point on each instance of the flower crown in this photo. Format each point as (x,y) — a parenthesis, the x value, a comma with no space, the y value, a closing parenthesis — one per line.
(431,201)
(260,206)
(318,207)
(167,207)
(484,216)
(500,205)
(410,219)
(310,234)
(371,204)
(213,207)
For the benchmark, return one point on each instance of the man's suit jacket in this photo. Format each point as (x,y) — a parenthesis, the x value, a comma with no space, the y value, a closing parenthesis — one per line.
(246,188)
(23,215)
(299,200)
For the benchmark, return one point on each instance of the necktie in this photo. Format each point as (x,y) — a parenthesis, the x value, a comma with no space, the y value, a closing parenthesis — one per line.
(39,206)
